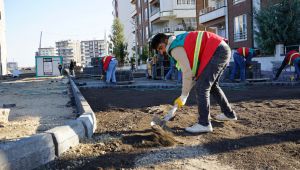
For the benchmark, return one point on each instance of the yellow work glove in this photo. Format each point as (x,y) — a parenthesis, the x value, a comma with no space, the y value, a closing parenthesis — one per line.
(180,101)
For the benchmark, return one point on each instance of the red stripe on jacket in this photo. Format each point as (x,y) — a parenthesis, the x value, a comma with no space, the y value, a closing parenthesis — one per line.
(106,60)
(289,55)
(240,51)
(210,43)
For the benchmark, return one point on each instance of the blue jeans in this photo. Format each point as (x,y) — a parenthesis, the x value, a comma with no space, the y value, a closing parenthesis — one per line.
(239,63)
(170,72)
(111,71)
(179,76)
(297,67)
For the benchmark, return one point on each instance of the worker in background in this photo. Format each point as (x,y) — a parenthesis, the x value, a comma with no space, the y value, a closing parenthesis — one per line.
(242,59)
(292,58)
(202,57)
(60,69)
(109,66)
(71,68)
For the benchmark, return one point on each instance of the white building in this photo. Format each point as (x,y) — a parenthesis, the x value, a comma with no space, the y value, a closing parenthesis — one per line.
(91,49)
(123,10)
(3,50)
(49,51)
(12,66)
(69,50)
(172,15)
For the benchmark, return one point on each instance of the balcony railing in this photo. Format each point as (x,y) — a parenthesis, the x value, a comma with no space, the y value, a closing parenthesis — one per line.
(188,27)
(218,5)
(241,36)
(154,11)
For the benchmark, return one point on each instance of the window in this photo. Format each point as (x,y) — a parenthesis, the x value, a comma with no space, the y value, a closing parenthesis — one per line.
(237,1)
(147,33)
(240,28)
(146,14)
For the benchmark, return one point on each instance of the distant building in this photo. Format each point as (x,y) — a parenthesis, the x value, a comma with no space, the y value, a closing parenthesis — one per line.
(50,51)
(3,50)
(69,50)
(91,49)
(12,66)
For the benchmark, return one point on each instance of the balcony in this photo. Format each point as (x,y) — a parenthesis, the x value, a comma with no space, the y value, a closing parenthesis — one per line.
(240,36)
(178,27)
(162,16)
(213,12)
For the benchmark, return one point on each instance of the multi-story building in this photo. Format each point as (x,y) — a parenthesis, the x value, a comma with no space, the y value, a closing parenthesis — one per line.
(3,50)
(232,19)
(12,66)
(123,10)
(69,50)
(49,51)
(91,49)
(161,16)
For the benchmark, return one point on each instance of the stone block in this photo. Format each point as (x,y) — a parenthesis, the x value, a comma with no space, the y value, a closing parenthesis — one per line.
(89,122)
(67,136)
(27,153)
(4,113)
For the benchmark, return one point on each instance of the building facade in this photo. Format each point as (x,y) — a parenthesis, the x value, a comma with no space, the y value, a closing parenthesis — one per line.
(123,10)
(69,50)
(3,49)
(91,49)
(49,51)
(232,19)
(161,16)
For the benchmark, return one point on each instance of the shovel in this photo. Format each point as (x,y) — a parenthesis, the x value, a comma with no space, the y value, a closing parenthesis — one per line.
(156,120)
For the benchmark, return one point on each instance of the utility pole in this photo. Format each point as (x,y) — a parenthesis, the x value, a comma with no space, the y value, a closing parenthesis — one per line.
(40,46)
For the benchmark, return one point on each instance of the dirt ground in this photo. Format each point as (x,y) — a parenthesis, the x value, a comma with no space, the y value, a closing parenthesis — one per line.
(266,136)
(41,104)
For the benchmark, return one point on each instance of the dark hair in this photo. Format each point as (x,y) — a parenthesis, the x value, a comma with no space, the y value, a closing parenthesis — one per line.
(157,39)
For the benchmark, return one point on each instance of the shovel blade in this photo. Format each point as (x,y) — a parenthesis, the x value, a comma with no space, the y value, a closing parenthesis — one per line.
(157,121)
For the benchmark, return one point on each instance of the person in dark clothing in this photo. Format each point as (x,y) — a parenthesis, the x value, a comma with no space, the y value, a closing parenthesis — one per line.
(292,58)
(60,69)
(71,68)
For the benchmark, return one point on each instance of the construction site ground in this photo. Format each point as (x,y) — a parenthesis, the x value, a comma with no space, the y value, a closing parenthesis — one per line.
(40,104)
(266,135)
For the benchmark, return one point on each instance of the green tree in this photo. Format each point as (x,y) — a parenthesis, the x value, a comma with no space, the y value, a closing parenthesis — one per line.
(145,53)
(278,24)
(118,41)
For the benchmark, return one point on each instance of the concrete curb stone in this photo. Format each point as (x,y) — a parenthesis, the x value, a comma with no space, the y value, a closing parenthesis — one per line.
(27,153)
(67,136)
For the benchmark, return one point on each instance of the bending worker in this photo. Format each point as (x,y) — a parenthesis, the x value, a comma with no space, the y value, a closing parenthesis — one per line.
(291,58)
(202,57)
(109,66)
(242,58)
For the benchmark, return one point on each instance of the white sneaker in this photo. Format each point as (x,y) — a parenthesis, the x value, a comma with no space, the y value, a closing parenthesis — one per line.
(223,117)
(169,117)
(197,128)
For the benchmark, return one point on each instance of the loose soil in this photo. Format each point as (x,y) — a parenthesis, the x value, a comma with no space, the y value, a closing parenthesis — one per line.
(266,135)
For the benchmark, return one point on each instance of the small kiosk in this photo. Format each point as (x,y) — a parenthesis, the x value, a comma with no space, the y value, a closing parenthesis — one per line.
(47,66)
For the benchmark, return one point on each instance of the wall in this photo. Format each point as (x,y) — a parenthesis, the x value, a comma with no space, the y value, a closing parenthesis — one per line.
(3,49)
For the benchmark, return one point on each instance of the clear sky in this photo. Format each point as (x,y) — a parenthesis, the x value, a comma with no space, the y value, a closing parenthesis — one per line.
(58,19)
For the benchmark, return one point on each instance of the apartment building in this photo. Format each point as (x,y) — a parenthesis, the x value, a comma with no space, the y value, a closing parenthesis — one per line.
(3,50)
(12,66)
(91,49)
(232,19)
(161,16)
(123,10)
(142,24)
(48,51)
(69,50)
